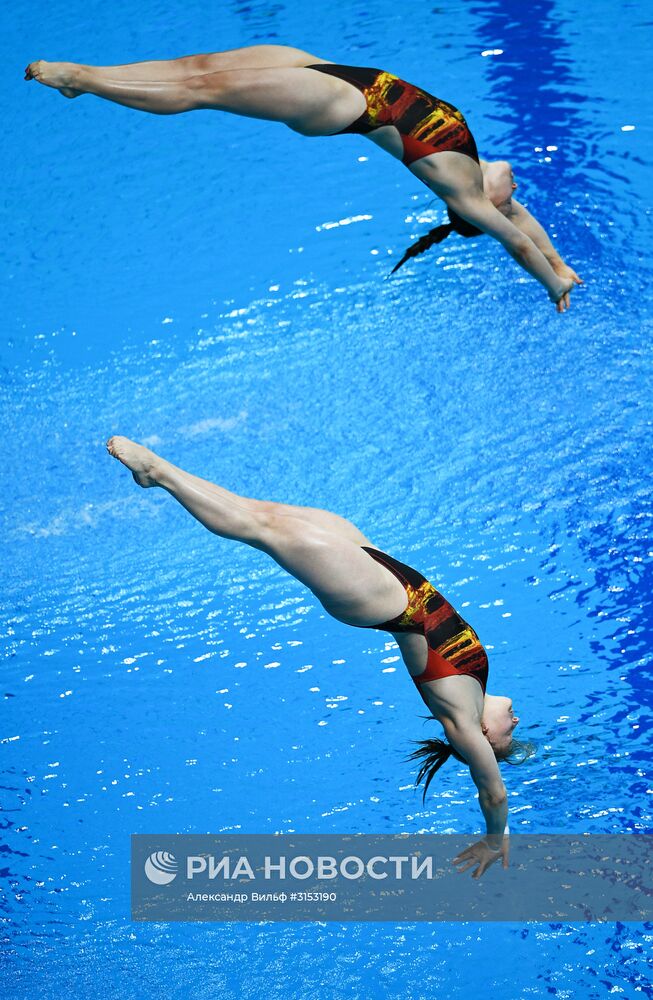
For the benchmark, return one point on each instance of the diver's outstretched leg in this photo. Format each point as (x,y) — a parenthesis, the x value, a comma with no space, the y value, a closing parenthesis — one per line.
(251,57)
(323,554)
(309,102)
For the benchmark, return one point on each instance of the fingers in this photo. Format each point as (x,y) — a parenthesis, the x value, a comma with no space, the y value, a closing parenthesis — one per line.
(464,864)
(476,857)
(568,272)
(468,855)
(464,855)
(482,865)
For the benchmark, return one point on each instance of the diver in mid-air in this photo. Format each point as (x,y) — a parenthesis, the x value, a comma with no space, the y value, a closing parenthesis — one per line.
(359,585)
(316,97)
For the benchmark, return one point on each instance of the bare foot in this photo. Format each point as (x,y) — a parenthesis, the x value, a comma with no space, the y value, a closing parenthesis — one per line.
(140,461)
(59,76)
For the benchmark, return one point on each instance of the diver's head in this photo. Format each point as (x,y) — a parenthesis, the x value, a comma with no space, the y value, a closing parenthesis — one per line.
(498,183)
(498,723)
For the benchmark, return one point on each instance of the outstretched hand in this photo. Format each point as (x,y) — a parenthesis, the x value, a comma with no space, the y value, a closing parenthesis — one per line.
(479,857)
(570,278)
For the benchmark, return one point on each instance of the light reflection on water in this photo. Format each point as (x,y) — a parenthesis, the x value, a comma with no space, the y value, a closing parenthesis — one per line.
(497,447)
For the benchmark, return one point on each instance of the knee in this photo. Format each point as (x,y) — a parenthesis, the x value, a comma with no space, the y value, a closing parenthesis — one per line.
(267,509)
(201,63)
(208,90)
(264,518)
(277,529)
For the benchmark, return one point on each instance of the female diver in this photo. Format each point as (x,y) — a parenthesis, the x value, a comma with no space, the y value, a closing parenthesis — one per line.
(359,585)
(316,97)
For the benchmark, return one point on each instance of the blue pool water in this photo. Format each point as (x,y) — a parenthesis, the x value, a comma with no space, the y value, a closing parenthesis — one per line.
(216,287)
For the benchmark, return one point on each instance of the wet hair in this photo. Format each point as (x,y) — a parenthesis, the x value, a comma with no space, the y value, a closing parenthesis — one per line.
(456,224)
(432,754)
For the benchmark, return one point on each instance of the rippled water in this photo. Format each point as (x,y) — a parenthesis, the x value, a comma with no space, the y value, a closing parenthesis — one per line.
(216,287)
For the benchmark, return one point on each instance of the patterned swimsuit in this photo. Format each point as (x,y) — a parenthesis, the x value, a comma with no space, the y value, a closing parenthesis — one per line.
(454,647)
(425,123)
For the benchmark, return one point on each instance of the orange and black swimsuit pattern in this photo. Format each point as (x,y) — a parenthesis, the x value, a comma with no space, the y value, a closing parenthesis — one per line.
(454,647)
(425,123)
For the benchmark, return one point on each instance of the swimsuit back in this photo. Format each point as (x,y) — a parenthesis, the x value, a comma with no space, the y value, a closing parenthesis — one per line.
(425,123)
(453,646)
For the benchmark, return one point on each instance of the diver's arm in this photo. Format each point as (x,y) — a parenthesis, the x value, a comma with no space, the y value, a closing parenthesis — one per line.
(529,225)
(471,744)
(479,210)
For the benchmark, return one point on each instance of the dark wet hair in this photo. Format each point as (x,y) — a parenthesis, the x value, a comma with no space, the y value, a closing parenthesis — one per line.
(432,754)
(456,224)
